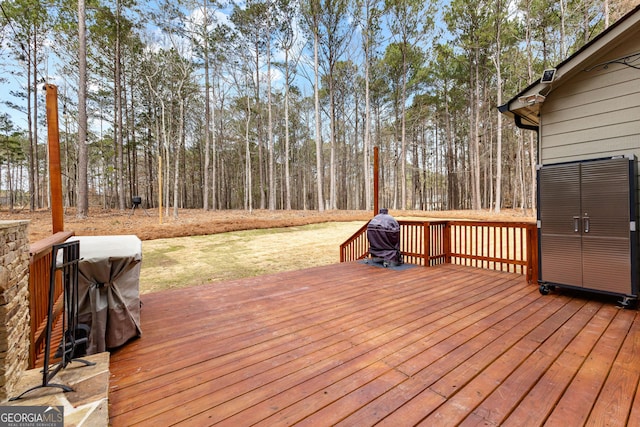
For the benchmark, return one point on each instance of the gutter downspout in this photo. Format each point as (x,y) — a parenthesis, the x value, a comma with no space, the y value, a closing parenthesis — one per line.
(521,125)
(504,109)
(536,129)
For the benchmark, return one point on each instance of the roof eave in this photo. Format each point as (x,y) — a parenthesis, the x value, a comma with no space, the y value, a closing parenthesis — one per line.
(522,106)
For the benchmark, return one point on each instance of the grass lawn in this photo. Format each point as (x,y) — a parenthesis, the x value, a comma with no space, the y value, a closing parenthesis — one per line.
(189,261)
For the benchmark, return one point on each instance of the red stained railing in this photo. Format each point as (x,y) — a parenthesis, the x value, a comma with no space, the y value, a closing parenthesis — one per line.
(502,246)
(39,274)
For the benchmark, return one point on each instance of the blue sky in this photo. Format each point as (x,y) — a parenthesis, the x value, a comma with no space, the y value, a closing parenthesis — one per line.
(13,72)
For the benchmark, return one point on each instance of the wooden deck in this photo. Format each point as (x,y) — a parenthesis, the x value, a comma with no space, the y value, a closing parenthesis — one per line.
(355,345)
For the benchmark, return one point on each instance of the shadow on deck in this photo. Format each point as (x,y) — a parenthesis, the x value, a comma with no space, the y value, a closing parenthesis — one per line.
(354,344)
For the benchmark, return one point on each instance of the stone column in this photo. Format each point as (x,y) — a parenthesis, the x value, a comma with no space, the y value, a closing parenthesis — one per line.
(14,305)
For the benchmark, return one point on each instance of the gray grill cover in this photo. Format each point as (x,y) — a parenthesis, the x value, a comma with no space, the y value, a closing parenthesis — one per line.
(108,289)
(383,233)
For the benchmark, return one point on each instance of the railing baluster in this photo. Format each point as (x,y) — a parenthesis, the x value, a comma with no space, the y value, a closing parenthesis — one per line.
(39,271)
(510,247)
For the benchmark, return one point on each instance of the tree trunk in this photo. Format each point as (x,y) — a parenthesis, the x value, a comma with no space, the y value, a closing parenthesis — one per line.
(176,162)
(82,195)
(452,186)
(532,145)
(367,125)
(33,131)
(214,153)
(498,64)
(403,132)
(563,12)
(319,166)
(118,112)
(532,160)
(248,195)
(259,122)
(332,142)
(475,139)
(272,182)
(287,155)
(207,110)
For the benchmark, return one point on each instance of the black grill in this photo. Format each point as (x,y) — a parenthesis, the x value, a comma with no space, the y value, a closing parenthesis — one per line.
(383,233)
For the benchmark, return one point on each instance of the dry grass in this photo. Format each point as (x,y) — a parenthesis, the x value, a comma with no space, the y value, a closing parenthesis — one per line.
(188,261)
(197,222)
(201,247)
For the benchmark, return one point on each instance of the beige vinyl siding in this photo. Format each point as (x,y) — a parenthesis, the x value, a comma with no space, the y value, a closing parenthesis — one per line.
(629,96)
(594,149)
(584,121)
(594,96)
(596,114)
(612,124)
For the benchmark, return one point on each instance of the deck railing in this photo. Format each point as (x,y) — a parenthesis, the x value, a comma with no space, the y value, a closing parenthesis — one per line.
(502,246)
(39,274)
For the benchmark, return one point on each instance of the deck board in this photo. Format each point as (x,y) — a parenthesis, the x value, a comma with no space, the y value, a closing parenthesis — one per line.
(352,344)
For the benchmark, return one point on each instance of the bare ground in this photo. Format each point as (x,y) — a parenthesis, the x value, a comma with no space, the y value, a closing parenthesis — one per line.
(147,225)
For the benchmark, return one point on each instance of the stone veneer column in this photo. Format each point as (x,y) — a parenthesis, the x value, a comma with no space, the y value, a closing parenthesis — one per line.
(14,305)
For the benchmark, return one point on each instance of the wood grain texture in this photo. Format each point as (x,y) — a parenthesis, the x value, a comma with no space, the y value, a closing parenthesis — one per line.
(353,344)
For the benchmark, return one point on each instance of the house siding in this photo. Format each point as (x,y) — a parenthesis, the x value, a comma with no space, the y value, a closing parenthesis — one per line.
(596,114)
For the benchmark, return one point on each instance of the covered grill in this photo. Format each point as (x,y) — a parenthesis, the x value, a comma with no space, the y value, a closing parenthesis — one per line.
(383,233)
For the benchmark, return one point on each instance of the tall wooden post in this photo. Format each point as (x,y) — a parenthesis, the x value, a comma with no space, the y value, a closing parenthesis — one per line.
(375,181)
(532,254)
(426,238)
(55,174)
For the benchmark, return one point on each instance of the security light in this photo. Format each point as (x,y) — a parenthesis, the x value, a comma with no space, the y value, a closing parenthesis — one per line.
(535,98)
(548,75)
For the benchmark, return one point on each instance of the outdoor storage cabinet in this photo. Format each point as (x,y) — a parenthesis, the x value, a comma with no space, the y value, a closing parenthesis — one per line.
(587,226)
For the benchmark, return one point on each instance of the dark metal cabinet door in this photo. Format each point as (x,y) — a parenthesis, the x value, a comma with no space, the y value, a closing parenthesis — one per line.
(560,224)
(606,244)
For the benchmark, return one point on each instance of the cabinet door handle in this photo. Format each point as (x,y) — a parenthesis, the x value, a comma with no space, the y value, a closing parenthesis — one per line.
(586,224)
(576,224)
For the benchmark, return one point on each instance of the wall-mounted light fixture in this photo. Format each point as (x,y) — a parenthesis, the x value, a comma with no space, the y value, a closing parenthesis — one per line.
(536,98)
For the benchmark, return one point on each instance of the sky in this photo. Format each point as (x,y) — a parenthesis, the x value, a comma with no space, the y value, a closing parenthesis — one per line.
(12,71)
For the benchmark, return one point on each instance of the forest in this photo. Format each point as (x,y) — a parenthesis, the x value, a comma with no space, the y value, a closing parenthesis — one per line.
(279,104)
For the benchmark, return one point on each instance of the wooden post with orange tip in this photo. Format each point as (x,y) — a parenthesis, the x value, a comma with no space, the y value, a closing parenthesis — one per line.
(55,174)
